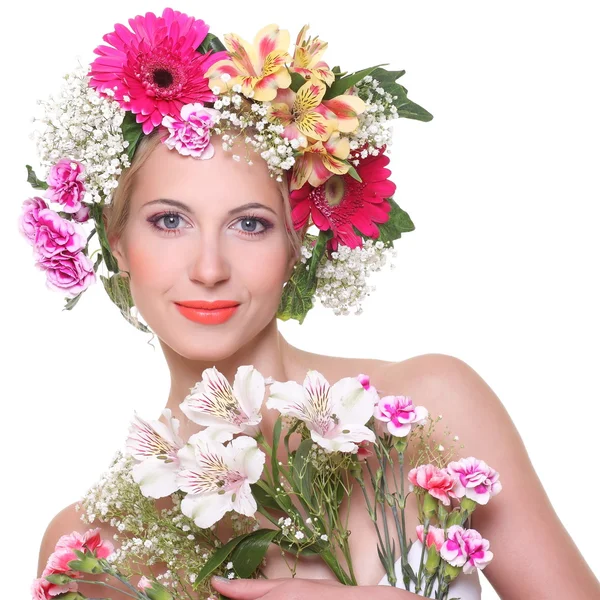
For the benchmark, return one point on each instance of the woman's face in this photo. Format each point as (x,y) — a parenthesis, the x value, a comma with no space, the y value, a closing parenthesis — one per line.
(205,230)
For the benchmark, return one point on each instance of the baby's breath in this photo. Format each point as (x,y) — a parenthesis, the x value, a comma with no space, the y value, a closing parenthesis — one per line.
(83,126)
(342,280)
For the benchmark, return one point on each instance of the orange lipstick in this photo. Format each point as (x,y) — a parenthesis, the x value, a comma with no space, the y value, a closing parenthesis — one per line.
(207,313)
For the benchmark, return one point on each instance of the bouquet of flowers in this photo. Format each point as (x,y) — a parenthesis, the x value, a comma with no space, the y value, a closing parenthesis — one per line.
(326,441)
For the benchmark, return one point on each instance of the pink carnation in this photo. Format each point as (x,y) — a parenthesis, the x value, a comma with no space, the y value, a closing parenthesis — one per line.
(28,220)
(55,235)
(144,583)
(42,589)
(82,215)
(435,536)
(474,479)
(190,133)
(399,414)
(436,481)
(466,548)
(68,273)
(65,184)
(90,541)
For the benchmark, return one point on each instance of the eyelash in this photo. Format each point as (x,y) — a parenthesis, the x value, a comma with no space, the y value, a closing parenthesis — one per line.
(156,218)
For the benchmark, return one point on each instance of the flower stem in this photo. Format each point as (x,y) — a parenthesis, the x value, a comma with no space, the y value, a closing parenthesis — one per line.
(112,587)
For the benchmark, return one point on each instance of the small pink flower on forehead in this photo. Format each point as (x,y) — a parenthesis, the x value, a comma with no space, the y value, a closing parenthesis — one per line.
(190,134)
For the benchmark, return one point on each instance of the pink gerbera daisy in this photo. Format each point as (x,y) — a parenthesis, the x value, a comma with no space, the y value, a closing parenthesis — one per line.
(154,68)
(343,203)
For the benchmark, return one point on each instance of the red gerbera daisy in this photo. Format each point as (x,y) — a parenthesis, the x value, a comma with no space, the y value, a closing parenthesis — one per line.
(155,69)
(342,202)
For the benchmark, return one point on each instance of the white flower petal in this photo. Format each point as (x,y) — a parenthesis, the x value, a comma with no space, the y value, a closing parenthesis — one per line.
(249,389)
(288,398)
(206,509)
(156,477)
(351,402)
(247,458)
(244,502)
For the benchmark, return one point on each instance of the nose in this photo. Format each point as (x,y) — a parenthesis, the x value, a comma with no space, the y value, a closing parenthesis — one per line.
(209,265)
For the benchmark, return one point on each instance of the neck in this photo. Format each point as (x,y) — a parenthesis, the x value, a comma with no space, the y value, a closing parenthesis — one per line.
(268,352)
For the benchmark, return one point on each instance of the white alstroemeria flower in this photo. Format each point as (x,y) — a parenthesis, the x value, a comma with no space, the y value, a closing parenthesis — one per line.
(217,478)
(335,415)
(223,409)
(155,445)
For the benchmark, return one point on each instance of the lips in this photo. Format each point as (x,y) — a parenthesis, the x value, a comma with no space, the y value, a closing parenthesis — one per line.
(205,305)
(207,313)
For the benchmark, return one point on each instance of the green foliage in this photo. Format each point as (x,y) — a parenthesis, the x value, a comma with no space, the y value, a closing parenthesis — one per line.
(297,295)
(303,472)
(297,81)
(109,259)
(219,557)
(117,288)
(248,554)
(132,133)
(406,108)
(343,84)
(398,223)
(71,302)
(36,183)
(211,42)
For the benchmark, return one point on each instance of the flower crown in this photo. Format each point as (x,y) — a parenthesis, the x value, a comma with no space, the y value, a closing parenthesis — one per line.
(324,130)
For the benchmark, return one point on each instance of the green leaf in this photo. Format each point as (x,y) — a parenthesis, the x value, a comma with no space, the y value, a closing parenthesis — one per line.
(36,183)
(296,298)
(353,172)
(406,108)
(303,472)
(59,578)
(274,459)
(71,302)
(248,555)
(219,557)
(263,498)
(297,81)
(342,85)
(132,133)
(87,564)
(109,259)
(211,42)
(398,223)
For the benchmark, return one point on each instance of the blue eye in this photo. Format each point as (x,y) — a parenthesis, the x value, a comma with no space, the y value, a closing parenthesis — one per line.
(250,225)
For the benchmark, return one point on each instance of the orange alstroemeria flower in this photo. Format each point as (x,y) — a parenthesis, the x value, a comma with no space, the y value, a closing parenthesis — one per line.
(259,67)
(346,108)
(306,58)
(302,114)
(319,161)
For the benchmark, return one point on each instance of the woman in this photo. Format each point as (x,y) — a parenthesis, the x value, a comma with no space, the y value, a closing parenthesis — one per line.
(213,256)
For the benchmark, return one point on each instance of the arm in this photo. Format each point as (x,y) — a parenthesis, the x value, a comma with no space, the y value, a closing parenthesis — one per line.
(534,556)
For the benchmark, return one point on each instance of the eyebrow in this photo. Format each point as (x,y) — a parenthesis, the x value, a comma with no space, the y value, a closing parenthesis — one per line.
(233,211)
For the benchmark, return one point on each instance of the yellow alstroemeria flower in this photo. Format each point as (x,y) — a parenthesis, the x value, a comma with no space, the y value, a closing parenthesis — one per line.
(319,161)
(302,114)
(307,56)
(259,68)
(346,108)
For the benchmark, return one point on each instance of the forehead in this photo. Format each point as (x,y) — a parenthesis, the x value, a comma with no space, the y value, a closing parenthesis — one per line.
(217,184)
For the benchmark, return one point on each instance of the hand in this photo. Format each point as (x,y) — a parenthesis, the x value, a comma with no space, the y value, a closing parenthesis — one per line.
(286,588)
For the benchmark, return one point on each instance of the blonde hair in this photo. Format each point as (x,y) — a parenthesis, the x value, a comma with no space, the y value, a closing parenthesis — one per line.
(116,213)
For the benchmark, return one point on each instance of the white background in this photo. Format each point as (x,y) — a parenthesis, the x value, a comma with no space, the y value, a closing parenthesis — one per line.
(501,270)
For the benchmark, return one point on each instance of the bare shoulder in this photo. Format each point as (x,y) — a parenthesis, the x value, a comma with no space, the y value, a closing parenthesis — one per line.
(521,516)
(67,521)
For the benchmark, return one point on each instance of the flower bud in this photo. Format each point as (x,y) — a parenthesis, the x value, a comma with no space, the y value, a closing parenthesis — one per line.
(451,572)
(430,505)
(468,504)
(433,560)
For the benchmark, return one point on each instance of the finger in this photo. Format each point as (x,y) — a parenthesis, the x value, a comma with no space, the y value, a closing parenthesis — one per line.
(245,589)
